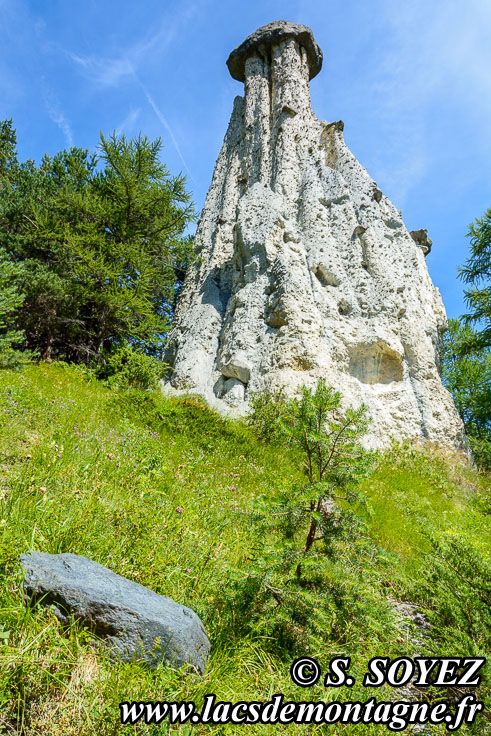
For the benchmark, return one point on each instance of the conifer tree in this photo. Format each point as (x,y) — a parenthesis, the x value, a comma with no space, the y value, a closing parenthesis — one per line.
(476,272)
(10,302)
(284,591)
(100,242)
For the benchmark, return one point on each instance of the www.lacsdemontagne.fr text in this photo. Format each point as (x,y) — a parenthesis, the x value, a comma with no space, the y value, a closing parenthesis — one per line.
(395,716)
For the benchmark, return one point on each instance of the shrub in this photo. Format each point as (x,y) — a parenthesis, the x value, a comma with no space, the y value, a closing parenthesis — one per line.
(459,587)
(481,451)
(267,408)
(128,367)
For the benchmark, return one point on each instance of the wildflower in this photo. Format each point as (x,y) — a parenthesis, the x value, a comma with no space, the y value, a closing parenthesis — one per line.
(188,570)
(179,510)
(234,488)
(42,489)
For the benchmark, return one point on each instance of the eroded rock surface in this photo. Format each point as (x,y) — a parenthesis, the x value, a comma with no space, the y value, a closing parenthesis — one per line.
(305,268)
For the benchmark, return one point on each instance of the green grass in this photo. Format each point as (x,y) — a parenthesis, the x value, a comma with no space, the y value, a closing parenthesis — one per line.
(160,491)
(415,493)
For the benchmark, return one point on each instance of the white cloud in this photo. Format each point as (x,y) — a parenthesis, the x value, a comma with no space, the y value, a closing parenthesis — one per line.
(436,59)
(111,73)
(106,71)
(56,113)
(127,125)
(166,125)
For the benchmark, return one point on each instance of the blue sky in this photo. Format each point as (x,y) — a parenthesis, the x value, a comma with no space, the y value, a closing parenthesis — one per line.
(410,78)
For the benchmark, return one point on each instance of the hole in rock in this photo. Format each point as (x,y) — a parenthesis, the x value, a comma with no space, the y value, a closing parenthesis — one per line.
(344,307)
(375,363)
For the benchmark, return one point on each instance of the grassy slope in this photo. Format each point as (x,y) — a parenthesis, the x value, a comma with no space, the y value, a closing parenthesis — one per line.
(106,475)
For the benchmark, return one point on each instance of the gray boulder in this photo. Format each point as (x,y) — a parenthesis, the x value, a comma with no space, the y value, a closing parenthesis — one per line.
(136,622)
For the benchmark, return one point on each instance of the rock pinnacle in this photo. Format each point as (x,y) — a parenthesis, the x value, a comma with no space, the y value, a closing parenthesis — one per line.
(305,269)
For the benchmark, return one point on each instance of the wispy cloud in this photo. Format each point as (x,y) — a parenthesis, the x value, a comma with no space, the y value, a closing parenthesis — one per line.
(432,60)
(55,112)
(130,71)
(434,45)
(107,71)
(128,123)
(158,112)
(124,67)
